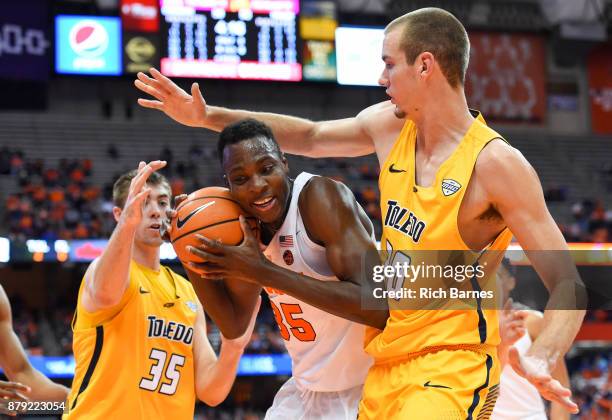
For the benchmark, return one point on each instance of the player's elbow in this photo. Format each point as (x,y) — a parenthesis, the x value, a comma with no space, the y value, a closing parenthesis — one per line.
(211,402)
(209,398)
(104,299)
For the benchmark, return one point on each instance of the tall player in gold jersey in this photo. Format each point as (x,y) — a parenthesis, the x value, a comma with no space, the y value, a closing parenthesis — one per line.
(140,342)
(447,182)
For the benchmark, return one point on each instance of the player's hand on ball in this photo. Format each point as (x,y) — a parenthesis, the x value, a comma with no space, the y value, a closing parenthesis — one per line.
(131,214)
(241,342)
(241,262)
(10,393)
(172,100)
(171,213)
(537,370)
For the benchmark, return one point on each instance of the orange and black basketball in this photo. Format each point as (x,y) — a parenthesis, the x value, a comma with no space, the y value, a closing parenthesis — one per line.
(211,212)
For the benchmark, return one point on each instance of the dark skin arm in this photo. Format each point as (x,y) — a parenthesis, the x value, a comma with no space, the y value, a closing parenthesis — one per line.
(17,367)
(345,238)
(229,303)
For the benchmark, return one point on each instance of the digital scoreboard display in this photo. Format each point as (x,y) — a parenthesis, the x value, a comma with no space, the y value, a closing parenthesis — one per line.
(225,39)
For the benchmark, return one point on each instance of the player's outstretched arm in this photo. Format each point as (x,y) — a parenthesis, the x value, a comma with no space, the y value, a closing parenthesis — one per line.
(341,138)
(514,190)
(17,367)
(107,278)
(214,376)
(351,254)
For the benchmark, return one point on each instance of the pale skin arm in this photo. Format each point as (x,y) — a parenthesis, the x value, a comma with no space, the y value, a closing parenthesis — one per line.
(214,376)
(16,365)
(107,278)
(358,136)
(513,189)
(534,325)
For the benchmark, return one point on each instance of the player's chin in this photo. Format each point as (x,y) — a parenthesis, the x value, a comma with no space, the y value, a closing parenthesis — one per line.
(399,113)
(152,238)
(267,215)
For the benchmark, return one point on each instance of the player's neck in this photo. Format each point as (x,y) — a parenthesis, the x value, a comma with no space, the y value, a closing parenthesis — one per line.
(443,121)
(147,256)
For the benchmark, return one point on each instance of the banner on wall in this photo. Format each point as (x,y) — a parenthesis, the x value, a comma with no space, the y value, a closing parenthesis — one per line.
(506,77)
(25,40)
(600,88)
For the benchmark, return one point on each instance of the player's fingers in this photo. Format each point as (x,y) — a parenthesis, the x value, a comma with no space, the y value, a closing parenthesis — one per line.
(18,386)
(171,214)
(158,94)
(143,175)
(141,166)
(508,306)
(249,237)
(210,245)
(12,394)
(196,94)
(151,82)
(147,103)
(179,199)
(138,199)
(163,80)
(522,315)
(205,256)
(6,411)
(515,361)
(558,393)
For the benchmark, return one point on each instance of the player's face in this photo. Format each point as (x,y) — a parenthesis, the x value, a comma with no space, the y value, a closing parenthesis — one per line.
(258,178)
(154,210)
(398,77)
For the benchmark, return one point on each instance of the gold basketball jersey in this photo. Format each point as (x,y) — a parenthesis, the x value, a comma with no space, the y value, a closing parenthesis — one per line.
(135,360)
(419,218)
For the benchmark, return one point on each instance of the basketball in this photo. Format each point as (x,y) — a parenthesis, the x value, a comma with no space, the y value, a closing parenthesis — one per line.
(211,212)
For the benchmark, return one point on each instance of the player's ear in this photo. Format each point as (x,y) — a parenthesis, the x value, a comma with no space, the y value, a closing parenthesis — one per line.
(426,61)
(285,162)
(117,213)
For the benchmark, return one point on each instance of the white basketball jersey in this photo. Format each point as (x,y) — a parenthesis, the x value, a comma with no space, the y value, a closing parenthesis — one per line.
(326,351)
(518,399)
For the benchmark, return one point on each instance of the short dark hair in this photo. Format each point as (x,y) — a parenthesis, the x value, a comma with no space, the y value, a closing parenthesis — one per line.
(440,33)
(246,129)
(122,185)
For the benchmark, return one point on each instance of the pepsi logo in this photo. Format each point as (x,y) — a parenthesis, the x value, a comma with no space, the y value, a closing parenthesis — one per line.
(89,39)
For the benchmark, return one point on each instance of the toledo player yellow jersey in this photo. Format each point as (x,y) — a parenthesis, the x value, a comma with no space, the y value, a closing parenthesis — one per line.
(427,220)
(135,360)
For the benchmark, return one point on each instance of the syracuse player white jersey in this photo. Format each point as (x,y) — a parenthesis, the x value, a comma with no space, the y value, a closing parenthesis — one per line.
(326,351)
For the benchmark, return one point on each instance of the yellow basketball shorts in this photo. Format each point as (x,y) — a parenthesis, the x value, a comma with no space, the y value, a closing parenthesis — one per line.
(443,385)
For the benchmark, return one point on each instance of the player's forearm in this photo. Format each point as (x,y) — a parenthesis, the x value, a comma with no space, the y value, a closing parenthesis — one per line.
(218,305)
(558,332)
(43,389)
(294,135)
(215,383)
(557,411)
(340,298)
(111,275)
(502,353)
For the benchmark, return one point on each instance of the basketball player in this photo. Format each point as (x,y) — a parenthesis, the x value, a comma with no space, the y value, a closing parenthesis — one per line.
(140,342)
(27,382)
(315,235)
(444,170)
(518,399)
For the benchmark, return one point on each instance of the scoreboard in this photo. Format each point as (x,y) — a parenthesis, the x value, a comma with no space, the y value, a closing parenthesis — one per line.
(240,39)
